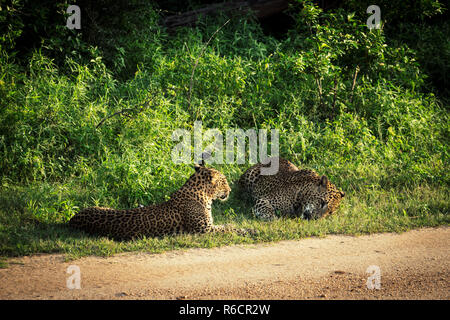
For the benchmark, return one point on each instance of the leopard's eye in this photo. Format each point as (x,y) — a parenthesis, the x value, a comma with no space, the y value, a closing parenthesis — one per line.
(323,203)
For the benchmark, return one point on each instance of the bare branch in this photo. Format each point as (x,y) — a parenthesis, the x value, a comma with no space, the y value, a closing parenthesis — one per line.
(191,83)
(124,111)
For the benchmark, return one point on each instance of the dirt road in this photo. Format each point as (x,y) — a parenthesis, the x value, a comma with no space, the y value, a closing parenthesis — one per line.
(412,265)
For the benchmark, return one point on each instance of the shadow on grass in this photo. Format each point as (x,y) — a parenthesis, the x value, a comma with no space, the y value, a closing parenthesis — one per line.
(32,236)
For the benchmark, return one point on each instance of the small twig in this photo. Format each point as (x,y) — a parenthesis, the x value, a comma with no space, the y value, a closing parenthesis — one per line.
(319,86)
(114,114)
(354,82)
(191,83)
(318,81)
(335,92)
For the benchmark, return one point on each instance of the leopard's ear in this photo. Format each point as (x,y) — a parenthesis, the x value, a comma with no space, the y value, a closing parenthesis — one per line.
(342,194)
(323,181)
(201,163)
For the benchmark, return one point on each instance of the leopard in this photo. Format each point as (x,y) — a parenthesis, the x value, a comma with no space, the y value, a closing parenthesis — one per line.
(291,192)
(188,210)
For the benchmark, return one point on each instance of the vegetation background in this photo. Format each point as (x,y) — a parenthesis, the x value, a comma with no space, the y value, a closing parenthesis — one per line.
(368,108)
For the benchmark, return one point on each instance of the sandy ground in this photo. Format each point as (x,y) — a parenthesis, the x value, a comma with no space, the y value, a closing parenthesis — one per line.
(412,265)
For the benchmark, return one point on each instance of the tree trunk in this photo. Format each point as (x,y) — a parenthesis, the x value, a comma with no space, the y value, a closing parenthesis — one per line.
(261,8)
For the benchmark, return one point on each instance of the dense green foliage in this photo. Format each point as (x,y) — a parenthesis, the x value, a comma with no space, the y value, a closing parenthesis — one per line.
(355,104)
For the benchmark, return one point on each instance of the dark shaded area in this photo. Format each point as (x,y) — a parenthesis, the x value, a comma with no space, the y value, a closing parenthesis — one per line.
(277,25)
(28,25)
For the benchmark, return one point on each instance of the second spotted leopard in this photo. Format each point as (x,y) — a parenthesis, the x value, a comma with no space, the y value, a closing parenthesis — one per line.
(291,192)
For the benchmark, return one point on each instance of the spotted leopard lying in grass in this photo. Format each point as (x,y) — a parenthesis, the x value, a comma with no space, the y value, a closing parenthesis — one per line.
(291,192)
(187,211)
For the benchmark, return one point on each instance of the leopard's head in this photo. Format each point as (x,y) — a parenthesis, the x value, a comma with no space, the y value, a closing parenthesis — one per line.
(216,182)
(317,197)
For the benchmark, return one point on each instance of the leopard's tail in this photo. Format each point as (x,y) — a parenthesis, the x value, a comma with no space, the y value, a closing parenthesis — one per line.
(105,222)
